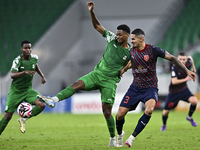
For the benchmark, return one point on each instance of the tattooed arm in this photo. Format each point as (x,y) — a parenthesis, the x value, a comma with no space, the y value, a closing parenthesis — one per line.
(176,62)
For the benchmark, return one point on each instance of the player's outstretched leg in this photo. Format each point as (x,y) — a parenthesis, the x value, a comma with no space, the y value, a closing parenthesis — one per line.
(130,140)
(112,142)
(120,139)
(47,100)
(193,123)
(22,122)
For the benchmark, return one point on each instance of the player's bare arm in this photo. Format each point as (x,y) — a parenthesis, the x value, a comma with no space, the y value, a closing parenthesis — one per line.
(95,21)
(43,80)
(175,61)
(175,80)
(193,66)
(123,70)
(16,74)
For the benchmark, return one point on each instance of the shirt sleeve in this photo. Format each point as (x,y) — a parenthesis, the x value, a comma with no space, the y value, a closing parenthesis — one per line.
(15,64)
(173,72)
(158,52)
(109,36)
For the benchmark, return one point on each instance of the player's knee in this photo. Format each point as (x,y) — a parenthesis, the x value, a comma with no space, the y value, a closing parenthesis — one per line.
(7,116)
(148,111)
(119,116)
(41,105)
(107,114)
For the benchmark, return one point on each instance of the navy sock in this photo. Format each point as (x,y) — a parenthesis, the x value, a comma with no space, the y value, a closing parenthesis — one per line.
(142,122)
(192,109)
(119,125)
(164,119)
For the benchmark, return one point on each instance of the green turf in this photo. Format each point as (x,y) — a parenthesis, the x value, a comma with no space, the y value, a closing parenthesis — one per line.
(89,132)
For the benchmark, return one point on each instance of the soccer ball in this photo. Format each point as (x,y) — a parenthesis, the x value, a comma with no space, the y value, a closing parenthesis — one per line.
(25,110)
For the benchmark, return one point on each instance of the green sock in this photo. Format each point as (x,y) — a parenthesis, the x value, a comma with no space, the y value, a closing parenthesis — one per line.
(66,93)
(3,124)
(36,110)
(111,126)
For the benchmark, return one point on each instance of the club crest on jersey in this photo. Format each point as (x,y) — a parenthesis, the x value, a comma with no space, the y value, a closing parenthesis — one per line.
(146,57)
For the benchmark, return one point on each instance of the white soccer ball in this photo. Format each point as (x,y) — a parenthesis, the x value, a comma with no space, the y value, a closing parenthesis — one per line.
(25,110)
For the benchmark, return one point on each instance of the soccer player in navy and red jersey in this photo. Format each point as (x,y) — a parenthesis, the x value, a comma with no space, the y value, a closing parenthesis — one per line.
(144,87)
(178,90)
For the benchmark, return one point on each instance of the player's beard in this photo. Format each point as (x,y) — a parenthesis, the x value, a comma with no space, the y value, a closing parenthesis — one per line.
(120,43)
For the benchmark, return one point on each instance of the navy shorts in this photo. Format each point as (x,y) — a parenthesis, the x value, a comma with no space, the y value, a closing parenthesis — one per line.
(134,95)
(173,99)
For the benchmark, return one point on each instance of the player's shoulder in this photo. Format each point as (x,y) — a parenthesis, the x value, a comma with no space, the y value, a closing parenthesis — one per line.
(109,36)
(189,57)
(34,56)
(17,59)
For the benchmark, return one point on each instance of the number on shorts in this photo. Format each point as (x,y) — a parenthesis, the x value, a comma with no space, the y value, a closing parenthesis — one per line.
(127,99)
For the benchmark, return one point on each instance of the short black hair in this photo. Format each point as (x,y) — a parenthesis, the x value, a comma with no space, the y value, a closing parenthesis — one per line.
(124,27)
(182,53)
(138,31)
(25,42)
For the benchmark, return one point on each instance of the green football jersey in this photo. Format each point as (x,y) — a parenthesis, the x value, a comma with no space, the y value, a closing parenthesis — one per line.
(25,81)
(114,58)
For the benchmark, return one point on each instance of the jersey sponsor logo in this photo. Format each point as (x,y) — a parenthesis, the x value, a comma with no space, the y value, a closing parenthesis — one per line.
(114,45)
(125,57)
(109,100)
(139,67)
(140,70)
(22,67)
(146,57)
(33,66)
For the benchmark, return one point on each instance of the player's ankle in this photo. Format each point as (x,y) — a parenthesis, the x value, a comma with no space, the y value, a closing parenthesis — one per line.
(55,99)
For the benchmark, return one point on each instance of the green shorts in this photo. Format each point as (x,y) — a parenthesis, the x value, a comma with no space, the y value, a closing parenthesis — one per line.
(106,86)
(15,98)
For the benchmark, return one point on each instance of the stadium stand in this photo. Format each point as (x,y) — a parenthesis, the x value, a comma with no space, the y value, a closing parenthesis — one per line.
(184,31)
(23,19)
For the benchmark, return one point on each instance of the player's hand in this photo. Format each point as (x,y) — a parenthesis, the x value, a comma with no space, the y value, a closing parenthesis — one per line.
(90,6)
(43,80)
(188,78)
(31,73)
(192,75)
(121,72)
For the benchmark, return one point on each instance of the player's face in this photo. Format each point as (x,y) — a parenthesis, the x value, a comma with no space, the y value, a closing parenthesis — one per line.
(26,50)
(122,36)
(182,59)
(135,40)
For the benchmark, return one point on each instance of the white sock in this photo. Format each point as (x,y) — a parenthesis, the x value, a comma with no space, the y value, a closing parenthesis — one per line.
(25,119)
(55,99)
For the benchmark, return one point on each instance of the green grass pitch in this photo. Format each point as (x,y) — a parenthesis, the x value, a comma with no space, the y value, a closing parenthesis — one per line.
(49,131)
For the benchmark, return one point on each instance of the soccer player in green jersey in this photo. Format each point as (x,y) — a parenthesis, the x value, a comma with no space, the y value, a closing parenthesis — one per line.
(23,68)
(106,72)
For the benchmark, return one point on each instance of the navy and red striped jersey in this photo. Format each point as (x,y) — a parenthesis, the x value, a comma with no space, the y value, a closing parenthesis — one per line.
(144,65)
(180,74)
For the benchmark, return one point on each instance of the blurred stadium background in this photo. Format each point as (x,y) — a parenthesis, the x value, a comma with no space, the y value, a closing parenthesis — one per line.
(69,47)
